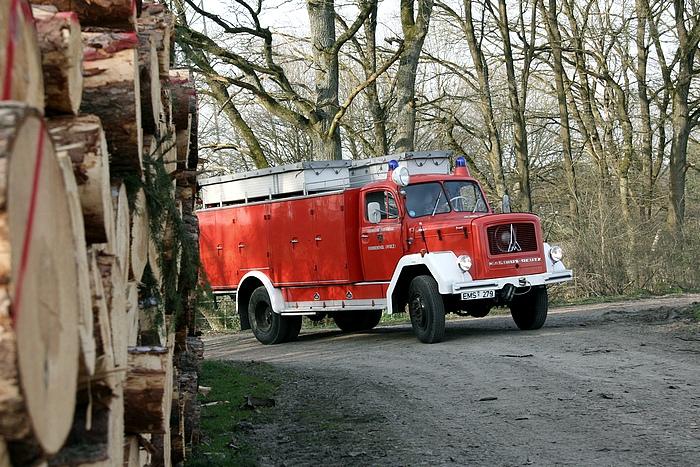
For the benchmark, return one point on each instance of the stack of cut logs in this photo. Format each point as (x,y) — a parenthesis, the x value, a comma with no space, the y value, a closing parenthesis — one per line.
(95,369)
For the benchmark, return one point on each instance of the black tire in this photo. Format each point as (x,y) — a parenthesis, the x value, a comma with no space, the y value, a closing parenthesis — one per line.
(357,320)
(426,309)
(529,311)
(294,326)
(269,327)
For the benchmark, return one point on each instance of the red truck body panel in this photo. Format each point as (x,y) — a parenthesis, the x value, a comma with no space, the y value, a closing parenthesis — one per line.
(297,242)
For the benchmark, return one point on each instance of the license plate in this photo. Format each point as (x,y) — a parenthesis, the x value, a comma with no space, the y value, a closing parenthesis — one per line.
(477,294)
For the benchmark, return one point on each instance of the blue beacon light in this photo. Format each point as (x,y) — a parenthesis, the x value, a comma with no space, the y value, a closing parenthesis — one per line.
(461,162)
(393,164)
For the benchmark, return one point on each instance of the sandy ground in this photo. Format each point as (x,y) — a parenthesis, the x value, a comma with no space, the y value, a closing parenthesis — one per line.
(611,384)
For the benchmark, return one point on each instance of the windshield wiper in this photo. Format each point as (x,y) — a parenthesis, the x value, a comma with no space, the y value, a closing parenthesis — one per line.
(437,201)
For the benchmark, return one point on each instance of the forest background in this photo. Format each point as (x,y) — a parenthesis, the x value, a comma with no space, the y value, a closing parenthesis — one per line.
(584,111)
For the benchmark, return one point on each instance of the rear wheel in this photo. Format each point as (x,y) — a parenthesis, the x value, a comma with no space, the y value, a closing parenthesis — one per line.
(529,310)
(268,327)
(427,310)
(357,321)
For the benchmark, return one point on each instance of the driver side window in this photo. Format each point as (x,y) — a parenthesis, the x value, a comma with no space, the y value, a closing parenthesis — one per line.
(387,204)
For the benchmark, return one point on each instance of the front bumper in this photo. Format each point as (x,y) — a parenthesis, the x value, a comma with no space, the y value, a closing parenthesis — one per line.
(531,280)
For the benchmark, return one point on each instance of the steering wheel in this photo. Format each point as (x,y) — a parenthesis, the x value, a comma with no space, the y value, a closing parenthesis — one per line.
(464,203)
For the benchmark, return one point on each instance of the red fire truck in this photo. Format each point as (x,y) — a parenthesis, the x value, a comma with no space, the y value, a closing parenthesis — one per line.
(352,239)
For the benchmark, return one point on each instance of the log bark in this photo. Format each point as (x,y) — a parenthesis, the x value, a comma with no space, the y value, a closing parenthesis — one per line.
(115,295)
(85,315)
(97,435)
(182,140)
(140,234)
(159,22)
(103,335)
(132,313)
(177,425)
(112,92)
(4,455)
(112,13)
(148,390)
(61,59)
(154,261)
(84,141)
(21,78)
(38,311)
(122,226)
(149,81)
(182,92)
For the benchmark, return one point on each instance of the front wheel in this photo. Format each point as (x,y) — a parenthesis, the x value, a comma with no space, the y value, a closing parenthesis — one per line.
(529,310)
(426,309)
(268,327)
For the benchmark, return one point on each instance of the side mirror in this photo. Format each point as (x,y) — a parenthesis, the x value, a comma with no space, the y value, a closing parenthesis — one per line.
(506,204)
(374,213)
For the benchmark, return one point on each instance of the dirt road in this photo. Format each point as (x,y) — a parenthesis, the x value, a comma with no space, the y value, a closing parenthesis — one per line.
(613,384)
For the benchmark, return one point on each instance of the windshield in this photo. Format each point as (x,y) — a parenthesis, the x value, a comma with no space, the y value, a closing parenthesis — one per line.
(465,196)
(426,199)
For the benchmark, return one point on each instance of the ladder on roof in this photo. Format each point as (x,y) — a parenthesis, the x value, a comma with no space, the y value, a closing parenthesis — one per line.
(314,177)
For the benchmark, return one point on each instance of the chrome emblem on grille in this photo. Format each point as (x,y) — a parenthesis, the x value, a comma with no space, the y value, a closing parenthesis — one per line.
(506,239)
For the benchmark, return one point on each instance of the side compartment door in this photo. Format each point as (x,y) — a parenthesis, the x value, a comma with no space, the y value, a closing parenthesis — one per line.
(381,244)
(211,248)
(328,237)
(291,247)
(252,242)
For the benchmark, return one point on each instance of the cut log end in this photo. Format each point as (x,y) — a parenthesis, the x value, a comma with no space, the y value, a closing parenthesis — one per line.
(38,267)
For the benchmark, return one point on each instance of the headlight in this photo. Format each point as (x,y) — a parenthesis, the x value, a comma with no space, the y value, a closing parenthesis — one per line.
(556,253)
(464,262)
(400,176)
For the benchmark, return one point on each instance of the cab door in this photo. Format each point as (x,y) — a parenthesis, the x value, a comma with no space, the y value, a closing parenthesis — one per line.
(381,244)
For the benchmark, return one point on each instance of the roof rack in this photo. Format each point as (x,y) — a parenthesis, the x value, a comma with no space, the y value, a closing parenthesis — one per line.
(309,177)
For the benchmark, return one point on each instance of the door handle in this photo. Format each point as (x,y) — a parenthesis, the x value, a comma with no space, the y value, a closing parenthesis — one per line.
(241,245)
(294,241)
(318,238)
(364,236)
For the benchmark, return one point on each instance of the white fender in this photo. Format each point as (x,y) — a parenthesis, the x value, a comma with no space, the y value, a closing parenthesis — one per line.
(276,299)
(551,265)
(442,265)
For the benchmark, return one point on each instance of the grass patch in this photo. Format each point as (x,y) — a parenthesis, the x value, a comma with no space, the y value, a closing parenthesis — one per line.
(223,436)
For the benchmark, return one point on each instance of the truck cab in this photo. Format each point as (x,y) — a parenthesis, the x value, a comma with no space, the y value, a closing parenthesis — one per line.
(388,240)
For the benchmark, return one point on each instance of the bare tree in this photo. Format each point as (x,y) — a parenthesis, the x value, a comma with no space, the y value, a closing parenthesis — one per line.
(415,27)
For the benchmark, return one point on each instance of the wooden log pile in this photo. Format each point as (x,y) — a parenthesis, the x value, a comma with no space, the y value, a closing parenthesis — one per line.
(98,360)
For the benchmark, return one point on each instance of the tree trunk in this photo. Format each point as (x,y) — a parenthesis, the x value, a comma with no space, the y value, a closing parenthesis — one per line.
(681,121)
(83,140)
(61,59)
(325,61)
(20,56)
(381,145)
(414,32)
(647,155)
(482,71)
(552,26)
(39,302)
(112,92)
(517,110)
